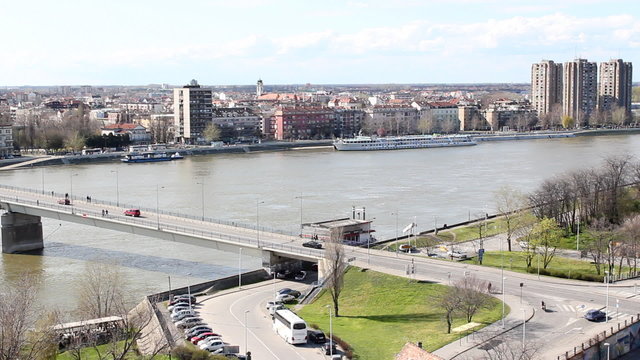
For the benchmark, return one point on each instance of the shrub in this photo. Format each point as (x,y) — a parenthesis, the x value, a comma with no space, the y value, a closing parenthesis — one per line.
(189,353)
(348,350)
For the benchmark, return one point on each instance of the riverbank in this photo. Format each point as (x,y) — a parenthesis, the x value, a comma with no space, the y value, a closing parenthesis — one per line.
(28,161)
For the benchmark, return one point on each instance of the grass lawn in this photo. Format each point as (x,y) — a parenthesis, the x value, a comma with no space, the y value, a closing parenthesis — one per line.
(470,232)
(559,266)
(379,313)
(90,353)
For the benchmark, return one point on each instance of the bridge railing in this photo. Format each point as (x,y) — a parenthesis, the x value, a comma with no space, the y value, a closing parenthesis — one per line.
(162,226)
(152,210)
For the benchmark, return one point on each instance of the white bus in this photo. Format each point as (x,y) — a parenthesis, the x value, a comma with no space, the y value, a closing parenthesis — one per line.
(290,327)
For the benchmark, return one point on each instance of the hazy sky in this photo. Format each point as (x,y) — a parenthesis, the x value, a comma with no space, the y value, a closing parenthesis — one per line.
(130,42)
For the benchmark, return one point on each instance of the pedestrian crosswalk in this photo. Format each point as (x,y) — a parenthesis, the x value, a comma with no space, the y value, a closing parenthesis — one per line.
(625,294)
(580,310)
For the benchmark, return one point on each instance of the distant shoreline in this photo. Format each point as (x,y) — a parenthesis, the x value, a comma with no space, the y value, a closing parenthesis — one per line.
(11,164)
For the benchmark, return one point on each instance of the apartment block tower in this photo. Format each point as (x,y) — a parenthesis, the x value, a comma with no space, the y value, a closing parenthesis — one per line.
(580,89)
(546,86)
(615,85)
(192,112)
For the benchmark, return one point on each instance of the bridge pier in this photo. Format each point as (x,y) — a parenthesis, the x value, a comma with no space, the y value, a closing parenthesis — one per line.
(21,232)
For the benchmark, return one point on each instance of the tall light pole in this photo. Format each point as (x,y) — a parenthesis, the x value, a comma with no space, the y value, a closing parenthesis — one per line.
(608,349)
(42,170)
(258,202)
(117,188)
(397,246)
(524,328)
(202,197)
(606,278)
(503,279)
(169,277)
(330,332)
(300,197)
(246,346)
(240,268)
(71,186)
(578,235)
(158,187)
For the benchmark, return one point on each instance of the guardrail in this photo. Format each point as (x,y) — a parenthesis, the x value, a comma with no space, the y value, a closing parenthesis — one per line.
(162,226)
(152,210)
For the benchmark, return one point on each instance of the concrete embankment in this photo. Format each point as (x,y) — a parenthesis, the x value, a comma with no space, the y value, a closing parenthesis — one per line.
(21,162)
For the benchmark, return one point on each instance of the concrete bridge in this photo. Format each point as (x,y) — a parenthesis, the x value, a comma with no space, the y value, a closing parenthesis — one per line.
(22,227)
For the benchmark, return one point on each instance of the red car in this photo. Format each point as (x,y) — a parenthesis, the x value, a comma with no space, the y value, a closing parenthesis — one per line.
(132,212)
(64,202)
(196,339)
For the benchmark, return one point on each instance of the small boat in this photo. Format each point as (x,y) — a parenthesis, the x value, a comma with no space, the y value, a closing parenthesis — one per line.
(146,157)
(177,156)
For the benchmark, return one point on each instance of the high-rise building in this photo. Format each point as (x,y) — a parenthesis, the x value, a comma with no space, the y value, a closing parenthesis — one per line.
(580,85)
(615,85)
(259,88)
(192,112)
(546,86)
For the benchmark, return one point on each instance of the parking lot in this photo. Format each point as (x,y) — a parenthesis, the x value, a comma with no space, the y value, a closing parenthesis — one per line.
(242,318)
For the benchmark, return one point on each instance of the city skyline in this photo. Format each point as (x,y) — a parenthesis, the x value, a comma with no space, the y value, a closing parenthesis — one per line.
(285,42)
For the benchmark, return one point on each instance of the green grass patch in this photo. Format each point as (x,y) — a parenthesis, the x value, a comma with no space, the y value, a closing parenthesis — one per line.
(91,353)
(418,241)
(379,313)
(558,267)
(492,227)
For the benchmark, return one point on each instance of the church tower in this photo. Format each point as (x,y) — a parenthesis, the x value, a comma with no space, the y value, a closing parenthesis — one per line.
(259,88)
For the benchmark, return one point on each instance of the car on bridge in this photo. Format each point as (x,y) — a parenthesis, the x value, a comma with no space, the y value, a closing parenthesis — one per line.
(312,244)
(132,212)
(64,202)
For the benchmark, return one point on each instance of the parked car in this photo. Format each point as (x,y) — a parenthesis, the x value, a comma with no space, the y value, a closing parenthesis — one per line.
(285,298)
(328,347)
(178,305)
(283,274)
(294,293)
(188,321)
(132,212)
(64,202)
(270,304)
(595,315)
(456,254)
(205,337)
(312,244)
(196,330)
(406,248)
(274,308)
(182,298)
(179,315)
(212,345)
(524,245)
(301,275)
(316,337)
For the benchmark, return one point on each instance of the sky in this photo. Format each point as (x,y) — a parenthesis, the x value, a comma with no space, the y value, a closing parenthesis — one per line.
(236,42)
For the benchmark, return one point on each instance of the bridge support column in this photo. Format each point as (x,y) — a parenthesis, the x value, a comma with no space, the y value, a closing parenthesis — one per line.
(272,261)
(20,232)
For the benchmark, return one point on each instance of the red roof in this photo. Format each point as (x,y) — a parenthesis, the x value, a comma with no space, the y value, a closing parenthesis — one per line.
(126,126)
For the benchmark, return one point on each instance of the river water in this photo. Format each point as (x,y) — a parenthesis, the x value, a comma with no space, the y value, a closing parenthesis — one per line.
(440,186)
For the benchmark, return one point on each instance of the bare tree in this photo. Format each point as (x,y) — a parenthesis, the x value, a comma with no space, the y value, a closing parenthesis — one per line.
(599,245)
(426,123)
(449,301)
(474,296)
(630,233)
(336,260)
(509,203)
(25,331)
(546,238)
(101,291)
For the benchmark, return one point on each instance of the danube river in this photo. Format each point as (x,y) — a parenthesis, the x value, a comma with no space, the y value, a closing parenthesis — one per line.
(280,188)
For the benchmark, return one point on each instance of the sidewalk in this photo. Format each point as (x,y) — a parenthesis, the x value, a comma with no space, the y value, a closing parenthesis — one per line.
(513,320)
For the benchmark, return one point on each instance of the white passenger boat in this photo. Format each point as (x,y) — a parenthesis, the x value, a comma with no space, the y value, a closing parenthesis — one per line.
(401,142)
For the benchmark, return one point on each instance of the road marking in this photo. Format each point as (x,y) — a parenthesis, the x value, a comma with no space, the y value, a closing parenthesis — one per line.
(249,330)
(574,329)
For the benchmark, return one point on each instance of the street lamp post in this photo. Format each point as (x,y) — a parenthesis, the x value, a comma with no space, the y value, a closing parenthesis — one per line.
(608,349)
(240,268)
(300,197)
(246,346)
(158,187)
(42,170)
(258,202)
(397,246)
(202,197)
(524,328)
(169,277)
(607,304)
(578,235)
(117,188)
(330,332)
(503,299)
(71,186)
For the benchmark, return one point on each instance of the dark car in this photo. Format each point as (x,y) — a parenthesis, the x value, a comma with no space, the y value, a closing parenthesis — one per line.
(132,212)
(328,347)
(294,293)
(64,202)
(312,244)
(595,315)
(316,337)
